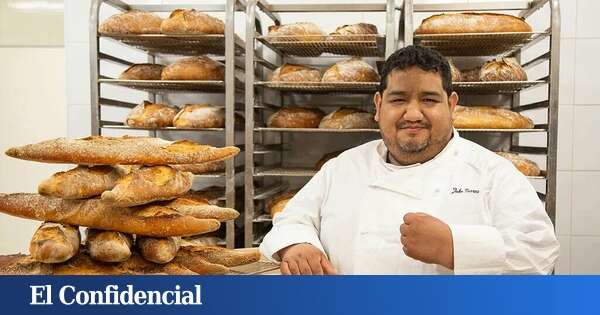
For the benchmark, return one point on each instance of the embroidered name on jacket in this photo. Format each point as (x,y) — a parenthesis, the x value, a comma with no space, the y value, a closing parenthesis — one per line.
(457,190)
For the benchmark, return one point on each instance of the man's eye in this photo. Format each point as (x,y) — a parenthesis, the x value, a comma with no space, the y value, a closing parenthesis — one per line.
(398,100)
(430,100)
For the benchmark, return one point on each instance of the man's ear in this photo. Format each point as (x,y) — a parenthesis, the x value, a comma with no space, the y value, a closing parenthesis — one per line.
(452,101)
(377,101)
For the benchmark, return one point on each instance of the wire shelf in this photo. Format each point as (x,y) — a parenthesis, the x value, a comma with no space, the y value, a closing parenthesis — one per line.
(284,171)
(476,44)
(501,130)
(317,130)
(495,86)
(189,44)
(124,127)
(322,87)
(158,86)
(366,45)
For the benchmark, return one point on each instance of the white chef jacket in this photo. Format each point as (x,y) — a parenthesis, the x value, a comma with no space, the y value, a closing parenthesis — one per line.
(353,207)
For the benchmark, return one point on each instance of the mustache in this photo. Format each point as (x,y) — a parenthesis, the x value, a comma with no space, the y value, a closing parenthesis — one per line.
(406,124)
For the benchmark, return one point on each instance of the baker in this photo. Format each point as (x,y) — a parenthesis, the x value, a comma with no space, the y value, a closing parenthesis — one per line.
(422,200)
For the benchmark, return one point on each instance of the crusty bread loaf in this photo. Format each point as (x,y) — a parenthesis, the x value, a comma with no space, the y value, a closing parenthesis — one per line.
(158,250)
(200,240)
(472,22)
(194,68)
(352,70)
(489,117)
(150,115)
(131,22)
(348,118)
(224,256)
(524,165)
(202,168)
(471,75)
(295,73)
(191,22)
(327,157)
(296,117)
(211,193)
(200,116)
(353,32)
(80,182)
(142,71)
(149,184)
(100,150)
(277,204)
(108,246)
(198,264)
(504,69)
(202,209)
(54,243)
(456,75)
(301,31)
(153,220)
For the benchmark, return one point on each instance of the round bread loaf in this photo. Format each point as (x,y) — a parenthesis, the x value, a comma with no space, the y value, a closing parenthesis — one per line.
(352,70)
(505,69)
(301,31)
(488,117)
(353,32)
(524,165)
(472,22)
(192,22)
(142,71)
(296,73)
(348,118)
(194,68)
(277,204)
(456,75)
(150,115)
(131,22)
(296,117)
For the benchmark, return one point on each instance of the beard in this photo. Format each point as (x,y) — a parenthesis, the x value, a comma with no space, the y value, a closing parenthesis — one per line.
(413,145)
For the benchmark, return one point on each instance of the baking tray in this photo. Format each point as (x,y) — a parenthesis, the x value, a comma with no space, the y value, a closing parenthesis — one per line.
(349,45)
(493,87)
(189,44)
(165,86)
(476,44)
(321,87)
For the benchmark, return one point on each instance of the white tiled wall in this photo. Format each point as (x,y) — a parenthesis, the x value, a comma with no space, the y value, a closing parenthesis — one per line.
(578,203)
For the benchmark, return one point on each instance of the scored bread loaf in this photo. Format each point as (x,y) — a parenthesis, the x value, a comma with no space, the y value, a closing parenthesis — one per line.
(456,75)
(327,157)
(202,168)
(504,69)
(524,165)
(489,117)
(191,22)
(354,32)
(158,250)
(131,22)
(153,220)
(81,182)
(108,246)
(194,68)
(348,118)
(352,70)
(149,184)
(224,256)
(277,204)
(142,71)
(150,115)
(296,117)
(472,22)
(295,73)
(471,75)
(211,193)
(201,209)
(100,150)
(301,31)
(54,243)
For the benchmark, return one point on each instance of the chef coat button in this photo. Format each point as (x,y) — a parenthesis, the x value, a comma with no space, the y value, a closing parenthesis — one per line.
(364,233)
(455,153)
(437,190)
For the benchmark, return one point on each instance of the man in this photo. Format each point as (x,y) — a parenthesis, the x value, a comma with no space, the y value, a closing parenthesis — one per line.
(422,200)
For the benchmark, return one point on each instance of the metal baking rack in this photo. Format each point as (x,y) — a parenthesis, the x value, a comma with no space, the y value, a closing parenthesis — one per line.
(507,45)
(224,48)
(263,180)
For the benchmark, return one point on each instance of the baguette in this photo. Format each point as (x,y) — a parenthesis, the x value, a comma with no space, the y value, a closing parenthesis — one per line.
(224,256)
(142,71)
(202,209)
(100,150)
(155,221)
(54,243)
(158,250)
(191,22)
(472,22)
(149,184)
(131,22)
(108,246)
(194,68)
(80,182)
(202,168)
(198,264)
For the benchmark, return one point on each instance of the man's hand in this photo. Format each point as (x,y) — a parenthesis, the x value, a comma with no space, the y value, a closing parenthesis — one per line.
(427,239)
(304,259)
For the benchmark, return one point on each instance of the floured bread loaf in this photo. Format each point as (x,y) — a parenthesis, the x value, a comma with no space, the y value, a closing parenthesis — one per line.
(472,22)
(524,165)
(150,115)
(192,22)
(353,32)
(296,73)
(353,70)
(81,182)
(488,117)
(131,22)
(109,246)
(194,68)
(224,256)
(296,117)
(201,209)
(505,69)
(348,118)
(54,243)
(158,250)
(302,31)
(203,168)
(142,71)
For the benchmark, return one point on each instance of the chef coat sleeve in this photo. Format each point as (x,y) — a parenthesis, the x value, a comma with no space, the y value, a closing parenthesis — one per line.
(520,239)
(300,221)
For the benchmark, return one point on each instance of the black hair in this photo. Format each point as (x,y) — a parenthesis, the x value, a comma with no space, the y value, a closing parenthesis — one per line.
(425,58)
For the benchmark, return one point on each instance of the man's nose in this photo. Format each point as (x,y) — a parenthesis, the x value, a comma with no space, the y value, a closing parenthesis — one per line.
(413,112)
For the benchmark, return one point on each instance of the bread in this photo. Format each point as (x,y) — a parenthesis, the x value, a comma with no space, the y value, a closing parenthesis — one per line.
(149,184)
(348,118)
(277,204)
(202,168)
(100,150)
(456,75)
(150,115)
(326,158)
(295,73)
(131,22)
(211,193)
(54,243)
(489,117)
(224,256)
(353,32)
(505,69)
(202,209)
(296,117)
(200,240)
(200,116)
(191,22)
(80,182)
(301,31)
(471,75)
(472,22)
(142,71)
(194,68)
(352,70)
(108,246)
(158,250)
(524,165)
(153,220)
(198,264)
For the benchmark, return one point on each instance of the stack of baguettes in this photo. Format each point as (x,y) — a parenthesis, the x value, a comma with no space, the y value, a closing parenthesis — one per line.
(134,204)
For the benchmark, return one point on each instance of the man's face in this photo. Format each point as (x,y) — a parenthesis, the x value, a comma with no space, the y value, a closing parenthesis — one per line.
(415,114)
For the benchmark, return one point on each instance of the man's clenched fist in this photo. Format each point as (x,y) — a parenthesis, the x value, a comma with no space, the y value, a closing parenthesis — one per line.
(304,259)
(427,239)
